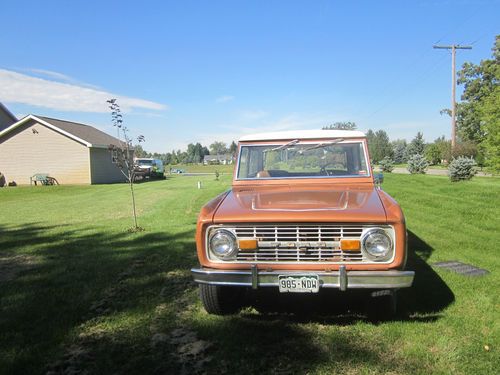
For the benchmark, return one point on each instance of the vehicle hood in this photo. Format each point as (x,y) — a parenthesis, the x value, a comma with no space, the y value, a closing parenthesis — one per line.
(287,203)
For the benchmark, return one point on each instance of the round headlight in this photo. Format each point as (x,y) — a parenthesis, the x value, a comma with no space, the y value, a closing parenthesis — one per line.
(377,243)
(223,244)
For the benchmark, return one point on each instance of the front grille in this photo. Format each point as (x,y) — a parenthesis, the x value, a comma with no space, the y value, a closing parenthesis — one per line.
(299,243)
(299,233)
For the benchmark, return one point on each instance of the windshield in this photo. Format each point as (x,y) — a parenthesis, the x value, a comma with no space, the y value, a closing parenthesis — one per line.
(144,161)
(335,158)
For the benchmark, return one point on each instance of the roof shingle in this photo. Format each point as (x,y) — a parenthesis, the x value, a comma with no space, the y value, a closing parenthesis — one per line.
(86,132)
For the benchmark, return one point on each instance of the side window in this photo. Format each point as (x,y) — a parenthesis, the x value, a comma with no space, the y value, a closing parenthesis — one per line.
(243,164)
(254,163)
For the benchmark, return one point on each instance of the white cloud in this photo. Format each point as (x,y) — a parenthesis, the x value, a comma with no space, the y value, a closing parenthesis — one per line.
(21,88)
(50,74)
(224,99)
(55,76)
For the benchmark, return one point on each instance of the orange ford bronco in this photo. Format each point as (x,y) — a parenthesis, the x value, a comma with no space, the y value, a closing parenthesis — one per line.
(304,213)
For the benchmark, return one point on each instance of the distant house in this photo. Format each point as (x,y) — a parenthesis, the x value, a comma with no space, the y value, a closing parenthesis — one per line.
(70,152)
(218,159)
(6,117)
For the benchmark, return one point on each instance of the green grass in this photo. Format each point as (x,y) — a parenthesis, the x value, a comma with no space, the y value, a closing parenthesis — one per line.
(200,168)
(77,291)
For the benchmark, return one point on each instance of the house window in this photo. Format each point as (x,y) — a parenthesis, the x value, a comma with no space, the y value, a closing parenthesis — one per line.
(114,156)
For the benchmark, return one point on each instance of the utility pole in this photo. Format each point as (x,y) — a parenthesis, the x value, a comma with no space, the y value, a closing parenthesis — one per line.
(453,48)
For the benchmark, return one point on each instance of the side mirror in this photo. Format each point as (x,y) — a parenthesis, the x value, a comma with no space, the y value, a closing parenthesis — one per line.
(378,178)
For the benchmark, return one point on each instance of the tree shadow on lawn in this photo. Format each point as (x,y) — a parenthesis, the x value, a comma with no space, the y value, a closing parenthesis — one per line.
(58,280)
(91,300)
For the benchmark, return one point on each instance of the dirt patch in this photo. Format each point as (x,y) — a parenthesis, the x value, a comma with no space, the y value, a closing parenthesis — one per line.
(191,353)
(175,281)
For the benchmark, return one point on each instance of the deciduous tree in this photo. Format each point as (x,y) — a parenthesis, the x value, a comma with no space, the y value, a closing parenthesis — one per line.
(218,148)
(341,125)
(379,145)
(123,155)
(478,117)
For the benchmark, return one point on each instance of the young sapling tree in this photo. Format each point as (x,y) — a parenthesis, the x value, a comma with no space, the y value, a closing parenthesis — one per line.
(123,156)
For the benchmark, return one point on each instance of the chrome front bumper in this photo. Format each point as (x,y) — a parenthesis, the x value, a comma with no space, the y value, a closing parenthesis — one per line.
(341,279)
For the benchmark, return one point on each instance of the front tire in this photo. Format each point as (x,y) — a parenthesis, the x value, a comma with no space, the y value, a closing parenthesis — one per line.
(222,300)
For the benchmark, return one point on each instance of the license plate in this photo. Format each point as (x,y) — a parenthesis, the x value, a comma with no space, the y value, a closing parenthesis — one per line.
(298,283)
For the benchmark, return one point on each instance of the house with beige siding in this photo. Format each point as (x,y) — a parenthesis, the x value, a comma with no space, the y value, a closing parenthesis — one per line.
(70,152)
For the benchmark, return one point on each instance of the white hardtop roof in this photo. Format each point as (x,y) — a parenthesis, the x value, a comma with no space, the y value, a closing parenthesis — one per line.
(303,134)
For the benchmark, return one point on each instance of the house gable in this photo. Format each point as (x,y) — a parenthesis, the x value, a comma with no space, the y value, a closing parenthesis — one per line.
(32,147)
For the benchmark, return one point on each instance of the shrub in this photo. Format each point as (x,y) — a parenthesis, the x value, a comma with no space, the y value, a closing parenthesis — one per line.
(417,164)
(462,168)
(433,153)
(386,164)
(438,152)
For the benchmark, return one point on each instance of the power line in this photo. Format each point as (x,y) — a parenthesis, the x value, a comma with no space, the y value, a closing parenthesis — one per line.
(453,48)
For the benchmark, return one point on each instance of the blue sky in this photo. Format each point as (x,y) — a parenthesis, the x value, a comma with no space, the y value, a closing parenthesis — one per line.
(191,71)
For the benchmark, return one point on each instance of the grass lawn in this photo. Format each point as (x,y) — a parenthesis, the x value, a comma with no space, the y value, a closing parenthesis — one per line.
(200,168)
(80,293)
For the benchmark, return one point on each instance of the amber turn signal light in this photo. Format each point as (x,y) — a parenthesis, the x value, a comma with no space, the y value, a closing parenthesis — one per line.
(250,244)
(350,245)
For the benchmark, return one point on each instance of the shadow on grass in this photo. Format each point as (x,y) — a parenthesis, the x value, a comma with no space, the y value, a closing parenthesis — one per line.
(429,294)
(92,300)
(424,301)
(325,332)
(57,280)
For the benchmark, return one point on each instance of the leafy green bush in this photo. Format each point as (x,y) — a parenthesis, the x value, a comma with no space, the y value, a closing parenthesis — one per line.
(386,164)
(438,152)
(417,164)
(462,168)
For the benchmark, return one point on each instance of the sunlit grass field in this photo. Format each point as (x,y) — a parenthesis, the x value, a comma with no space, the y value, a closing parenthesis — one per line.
(78,292)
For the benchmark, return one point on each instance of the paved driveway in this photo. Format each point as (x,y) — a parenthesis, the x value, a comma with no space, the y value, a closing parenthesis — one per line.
(436,172)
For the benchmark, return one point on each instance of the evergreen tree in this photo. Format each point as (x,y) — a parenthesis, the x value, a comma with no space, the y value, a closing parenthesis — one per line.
(233,148)
(416,146)
(399,151)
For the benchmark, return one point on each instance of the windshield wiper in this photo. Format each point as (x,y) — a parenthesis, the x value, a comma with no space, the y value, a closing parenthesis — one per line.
(324,144)
(295,141)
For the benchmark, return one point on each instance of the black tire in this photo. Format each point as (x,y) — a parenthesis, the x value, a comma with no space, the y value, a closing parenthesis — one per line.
(382,305)
(222,300)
